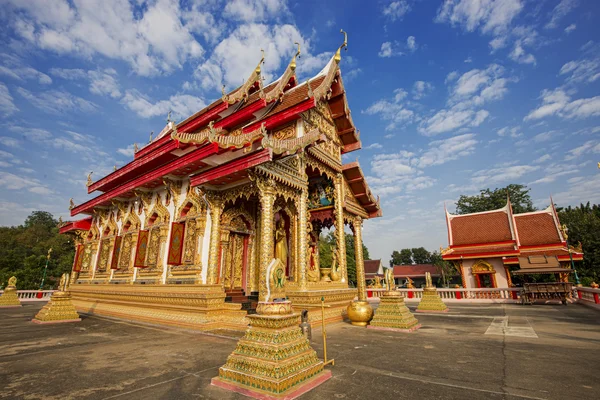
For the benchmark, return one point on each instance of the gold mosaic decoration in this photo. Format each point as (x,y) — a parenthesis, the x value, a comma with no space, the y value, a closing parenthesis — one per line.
(392,313)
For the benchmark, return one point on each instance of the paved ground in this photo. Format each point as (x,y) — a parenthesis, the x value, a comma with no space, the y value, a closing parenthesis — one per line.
(474,352)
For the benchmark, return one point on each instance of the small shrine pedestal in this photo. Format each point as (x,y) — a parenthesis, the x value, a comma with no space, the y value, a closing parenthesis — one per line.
(10,298)
(431,301)
(393,315)
(59,309)
(273,360)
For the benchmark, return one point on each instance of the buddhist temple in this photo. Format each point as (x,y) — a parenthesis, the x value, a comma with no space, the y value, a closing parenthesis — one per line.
(183,234)
(485,245)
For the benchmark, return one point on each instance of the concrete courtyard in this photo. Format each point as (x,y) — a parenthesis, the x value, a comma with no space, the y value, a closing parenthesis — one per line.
(474,352)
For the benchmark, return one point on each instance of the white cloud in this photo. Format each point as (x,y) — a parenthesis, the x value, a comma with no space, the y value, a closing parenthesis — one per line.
(102,82)
(443,151)
(520,55)
(7,105)
(254,10)
(373,146)
(396,9)
(580,190)
(488,15)
(9,142)
(591,146)
(421,89)
(468,60)
(570,28)
(152,40)
(182,105)
(499,175)
(411,43)
(57,102)
(127,151)
(449,120)
(560,11)
(235,56)
(11,181)
(25,73)
(542,159)
(544,136)
(585,70)
(32,134)
(558,102)
(394,111)
(389,49)
(513,132)
(479,86)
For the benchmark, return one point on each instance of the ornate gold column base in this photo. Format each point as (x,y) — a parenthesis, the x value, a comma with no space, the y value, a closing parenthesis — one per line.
(58,310)
(10,298)
(393,315)
(360,312)
(337,296)
(431,302)
(273,360)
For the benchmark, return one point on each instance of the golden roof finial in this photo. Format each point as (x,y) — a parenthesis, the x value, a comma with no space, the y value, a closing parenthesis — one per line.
(293,62)
(135,148)
(262,61)
(89,179)
(169,116)
(338,55)
(151,133)
(71,204)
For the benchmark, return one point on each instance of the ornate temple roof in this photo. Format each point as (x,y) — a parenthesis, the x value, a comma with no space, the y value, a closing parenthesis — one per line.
(228,133)
(500,233)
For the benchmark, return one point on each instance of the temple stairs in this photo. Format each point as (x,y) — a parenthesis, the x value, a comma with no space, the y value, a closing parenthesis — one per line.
(238,296)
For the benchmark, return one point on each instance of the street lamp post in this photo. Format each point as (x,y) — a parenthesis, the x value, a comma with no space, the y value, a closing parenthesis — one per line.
(45,269)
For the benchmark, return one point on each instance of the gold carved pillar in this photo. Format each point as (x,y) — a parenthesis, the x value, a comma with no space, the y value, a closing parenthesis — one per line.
(302,237)
(360,262)
(267,196)
(339,226)
(226,263)
(216,209)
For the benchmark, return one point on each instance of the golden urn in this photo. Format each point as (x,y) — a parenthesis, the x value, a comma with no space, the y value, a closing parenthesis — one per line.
(360,312)
(325,272)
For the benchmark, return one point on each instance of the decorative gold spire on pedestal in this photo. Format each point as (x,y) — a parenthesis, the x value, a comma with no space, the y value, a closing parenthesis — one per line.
(10,298)
(392,314)
(274,359)
(60,308)
(431,301)
(338,53)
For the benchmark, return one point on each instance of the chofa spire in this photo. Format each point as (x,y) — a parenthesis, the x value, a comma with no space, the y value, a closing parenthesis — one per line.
(244,91)
(338,53)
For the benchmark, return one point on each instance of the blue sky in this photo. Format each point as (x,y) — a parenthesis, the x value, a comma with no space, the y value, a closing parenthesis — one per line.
(450,96)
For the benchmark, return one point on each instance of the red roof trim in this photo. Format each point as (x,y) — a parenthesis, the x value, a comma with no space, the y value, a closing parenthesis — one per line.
(544,246)
(79,225)
(281,117)
(465,246)
(203,119)
(151,147)
(131,166)
(458,256)
(193,156)
(236,165)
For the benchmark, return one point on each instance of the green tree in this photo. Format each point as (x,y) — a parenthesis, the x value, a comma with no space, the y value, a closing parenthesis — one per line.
(420,255)
(583,223)
(23,251)
(446,269)
(326,245)
(488,200)
(405,257)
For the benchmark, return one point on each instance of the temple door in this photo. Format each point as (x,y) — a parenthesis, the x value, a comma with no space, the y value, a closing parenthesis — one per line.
(237,261)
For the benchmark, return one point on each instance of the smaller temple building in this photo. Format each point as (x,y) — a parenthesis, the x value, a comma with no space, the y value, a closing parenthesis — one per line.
(486,246)
(414,274)
(373,268)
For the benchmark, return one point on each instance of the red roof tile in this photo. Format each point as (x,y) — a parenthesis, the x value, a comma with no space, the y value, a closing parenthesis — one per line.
(372,266)
(535,229)
(415,270)
(480,228)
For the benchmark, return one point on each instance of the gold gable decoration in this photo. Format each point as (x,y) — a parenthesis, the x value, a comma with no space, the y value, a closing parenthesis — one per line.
(482,267)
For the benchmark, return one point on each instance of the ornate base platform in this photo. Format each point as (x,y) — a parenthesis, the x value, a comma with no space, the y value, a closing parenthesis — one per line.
(58,310)
(393,315)
(10,298)
(273,359)
(337,300)
(431,302)
(199,307)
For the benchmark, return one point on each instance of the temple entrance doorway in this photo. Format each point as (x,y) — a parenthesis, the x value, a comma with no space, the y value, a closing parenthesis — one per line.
(234,275)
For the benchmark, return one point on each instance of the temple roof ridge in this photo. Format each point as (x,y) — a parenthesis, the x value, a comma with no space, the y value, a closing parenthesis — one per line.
(504,209)
(547,210)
